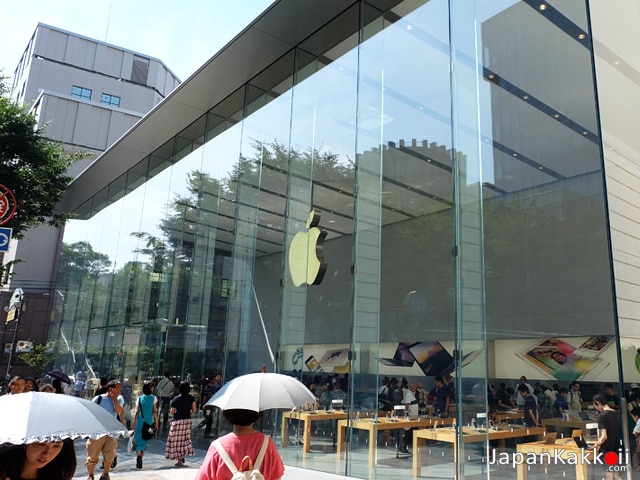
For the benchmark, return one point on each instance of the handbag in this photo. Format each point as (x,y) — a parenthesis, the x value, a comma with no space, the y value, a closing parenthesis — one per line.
(148,429)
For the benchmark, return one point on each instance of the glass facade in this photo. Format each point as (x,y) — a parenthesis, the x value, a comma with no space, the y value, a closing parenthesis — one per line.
(416,190)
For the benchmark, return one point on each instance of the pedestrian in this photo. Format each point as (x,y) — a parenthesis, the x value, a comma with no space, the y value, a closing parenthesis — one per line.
(179,438)
(209,412)
(29,385)
(39,460)
(147,410)
(127,394)
(164,392)
(57,386)
(113,403)
(16,385)
(243,441)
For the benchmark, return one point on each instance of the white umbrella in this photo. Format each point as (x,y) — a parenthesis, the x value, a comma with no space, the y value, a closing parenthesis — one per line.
(262,391)
(50,417)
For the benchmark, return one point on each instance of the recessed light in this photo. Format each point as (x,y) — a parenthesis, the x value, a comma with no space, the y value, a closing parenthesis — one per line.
(542,6)
(526,97)
(492,76)
(514,154)
(581,36)
(585,133)
(557,115)
(540,167)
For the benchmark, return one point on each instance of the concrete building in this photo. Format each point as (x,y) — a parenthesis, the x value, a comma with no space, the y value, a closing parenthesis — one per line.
(351,191)
(87,93)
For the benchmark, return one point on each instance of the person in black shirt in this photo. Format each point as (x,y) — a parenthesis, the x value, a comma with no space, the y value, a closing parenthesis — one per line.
(610,428)
(611,398)
(179,438)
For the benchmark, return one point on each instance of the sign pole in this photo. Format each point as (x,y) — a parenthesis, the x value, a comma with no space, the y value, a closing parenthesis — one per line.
(13,313)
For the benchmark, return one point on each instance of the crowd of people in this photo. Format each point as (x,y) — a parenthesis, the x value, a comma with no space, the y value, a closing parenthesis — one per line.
(170,404)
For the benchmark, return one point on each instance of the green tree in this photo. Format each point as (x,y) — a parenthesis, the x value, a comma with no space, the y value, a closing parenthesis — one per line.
(40,357)
(32,166)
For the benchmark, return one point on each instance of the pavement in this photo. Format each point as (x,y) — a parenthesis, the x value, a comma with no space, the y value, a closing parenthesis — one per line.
(156,467)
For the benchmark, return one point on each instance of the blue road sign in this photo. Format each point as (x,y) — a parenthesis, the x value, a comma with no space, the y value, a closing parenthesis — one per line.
(5,236)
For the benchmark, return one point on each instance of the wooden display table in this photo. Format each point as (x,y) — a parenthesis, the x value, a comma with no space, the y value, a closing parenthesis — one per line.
(506,416)
(379,424)
(565,449)
(306,418)
(571,424)
(470,435)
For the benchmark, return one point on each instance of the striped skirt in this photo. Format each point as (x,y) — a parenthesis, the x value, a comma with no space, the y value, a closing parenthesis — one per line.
(179,440)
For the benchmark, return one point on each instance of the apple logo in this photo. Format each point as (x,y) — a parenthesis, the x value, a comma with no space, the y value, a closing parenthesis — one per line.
(306,259)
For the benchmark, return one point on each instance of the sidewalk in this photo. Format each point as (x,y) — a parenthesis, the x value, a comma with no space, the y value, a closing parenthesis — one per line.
(156,467)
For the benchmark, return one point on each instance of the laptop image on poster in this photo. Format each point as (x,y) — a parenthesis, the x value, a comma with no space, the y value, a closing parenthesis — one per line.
(401,358)
(464,361)
(432,357)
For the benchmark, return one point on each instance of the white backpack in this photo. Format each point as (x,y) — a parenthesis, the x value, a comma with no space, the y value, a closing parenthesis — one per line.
(253,473)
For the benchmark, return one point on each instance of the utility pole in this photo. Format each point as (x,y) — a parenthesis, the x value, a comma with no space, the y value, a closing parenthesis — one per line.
(14,310)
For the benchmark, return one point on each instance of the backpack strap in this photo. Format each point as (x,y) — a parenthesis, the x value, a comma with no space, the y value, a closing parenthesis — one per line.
(258,462)
(229,463)
(225,456)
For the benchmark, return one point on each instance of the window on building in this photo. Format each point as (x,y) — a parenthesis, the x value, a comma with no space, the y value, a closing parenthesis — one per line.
(110,100)
(140,70)
(81,92)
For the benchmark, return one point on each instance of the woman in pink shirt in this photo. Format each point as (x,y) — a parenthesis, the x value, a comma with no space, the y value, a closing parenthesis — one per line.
(244,440)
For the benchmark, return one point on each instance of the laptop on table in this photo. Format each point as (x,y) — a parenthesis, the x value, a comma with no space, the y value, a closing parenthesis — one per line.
(582,443)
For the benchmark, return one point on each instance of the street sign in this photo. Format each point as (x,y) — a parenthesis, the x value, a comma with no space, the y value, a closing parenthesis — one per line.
(7,204)
(15,304)
(5,236)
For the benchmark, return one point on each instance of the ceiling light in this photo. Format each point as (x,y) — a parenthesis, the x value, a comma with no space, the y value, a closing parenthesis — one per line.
(585,133)
(557,115)
(514,154)
(540,167)
(581,36)
(526,97)
(542,6)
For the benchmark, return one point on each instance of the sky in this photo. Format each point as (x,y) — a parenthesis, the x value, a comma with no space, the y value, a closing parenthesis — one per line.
(183,34)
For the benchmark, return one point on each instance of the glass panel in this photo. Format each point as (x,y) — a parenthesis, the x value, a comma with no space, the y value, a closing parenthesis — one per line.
(531,222)
(405,191)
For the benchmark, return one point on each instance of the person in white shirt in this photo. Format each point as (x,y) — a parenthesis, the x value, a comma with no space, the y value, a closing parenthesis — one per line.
(410,400)
(164,391)
(520,399)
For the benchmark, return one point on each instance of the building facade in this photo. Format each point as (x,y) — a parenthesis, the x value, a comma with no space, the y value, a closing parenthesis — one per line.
(86,93)
(354,191)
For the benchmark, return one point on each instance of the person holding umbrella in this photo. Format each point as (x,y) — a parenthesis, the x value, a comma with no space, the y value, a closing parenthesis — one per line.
(16,385)
(45,460)
(243,401)
(243,441)
(38,429)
